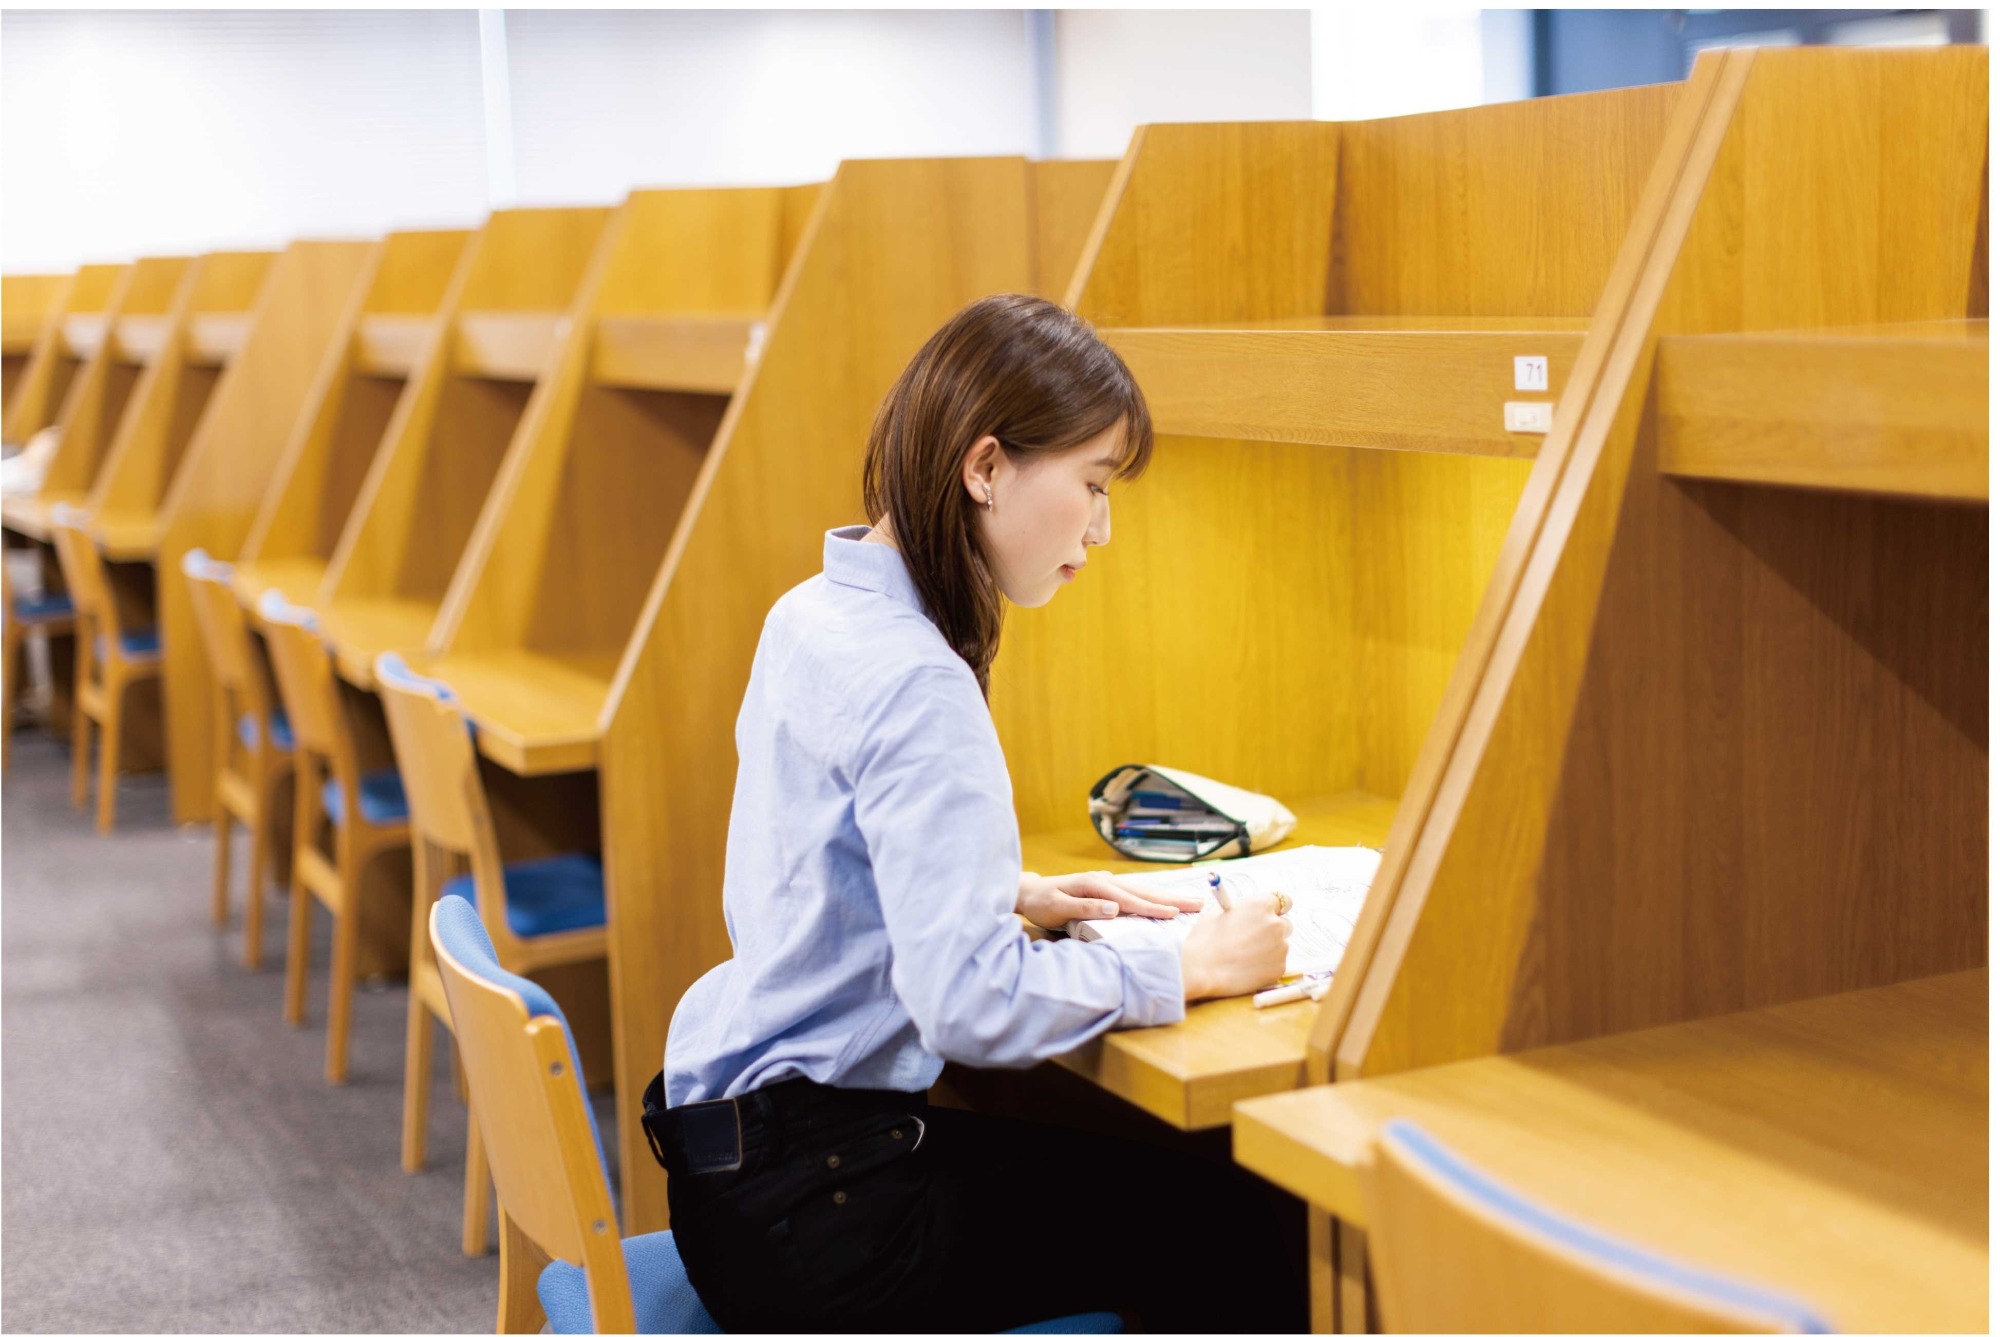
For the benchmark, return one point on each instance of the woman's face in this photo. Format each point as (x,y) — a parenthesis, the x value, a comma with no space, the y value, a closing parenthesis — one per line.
(1048,511)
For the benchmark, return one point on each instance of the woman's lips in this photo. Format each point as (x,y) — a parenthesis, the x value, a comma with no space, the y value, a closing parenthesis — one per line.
(1069,572)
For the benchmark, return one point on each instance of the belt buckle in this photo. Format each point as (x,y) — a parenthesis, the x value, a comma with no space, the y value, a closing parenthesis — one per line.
(711,1136)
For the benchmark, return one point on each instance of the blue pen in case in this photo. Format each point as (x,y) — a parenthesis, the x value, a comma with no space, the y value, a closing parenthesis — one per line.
(1167,816)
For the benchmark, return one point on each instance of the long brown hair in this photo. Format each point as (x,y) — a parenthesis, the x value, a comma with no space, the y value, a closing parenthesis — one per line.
(1017,368)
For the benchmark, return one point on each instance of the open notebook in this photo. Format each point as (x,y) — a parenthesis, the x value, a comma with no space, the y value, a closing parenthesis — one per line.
(1327,886)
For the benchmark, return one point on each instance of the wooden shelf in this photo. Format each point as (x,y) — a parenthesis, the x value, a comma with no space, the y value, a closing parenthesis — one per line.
(296,579)
(360,629)
(19,330)
(390,345)
(215,337)
(698,353)
(1388,382)
(140,338)
(536,714)
(506,345)
(1893,410)
(1191,1074)
(84,334)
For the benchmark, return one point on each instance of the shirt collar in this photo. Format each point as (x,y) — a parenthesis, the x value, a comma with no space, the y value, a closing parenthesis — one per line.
(875,567)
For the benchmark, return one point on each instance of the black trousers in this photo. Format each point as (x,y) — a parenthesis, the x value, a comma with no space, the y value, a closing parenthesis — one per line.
(872,1211)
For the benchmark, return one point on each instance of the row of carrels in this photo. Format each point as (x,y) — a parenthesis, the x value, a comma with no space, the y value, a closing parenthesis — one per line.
(1673,709)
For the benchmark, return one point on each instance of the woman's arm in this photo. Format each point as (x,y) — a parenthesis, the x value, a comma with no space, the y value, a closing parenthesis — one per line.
(933,802)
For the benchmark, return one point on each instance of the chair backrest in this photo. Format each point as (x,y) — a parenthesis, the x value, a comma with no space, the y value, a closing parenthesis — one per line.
(1453,1250)
(225,635)
(83,571)
(304,669)
(440,770)
(541,1138)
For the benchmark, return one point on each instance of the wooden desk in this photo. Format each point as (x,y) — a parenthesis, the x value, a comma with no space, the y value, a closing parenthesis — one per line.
(28,513)
(296,579)
(1834,1148)
(1191,1074)
(359,629)
(126,536)
(536,714)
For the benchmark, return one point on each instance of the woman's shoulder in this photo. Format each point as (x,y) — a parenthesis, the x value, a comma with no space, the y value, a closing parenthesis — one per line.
(858,642)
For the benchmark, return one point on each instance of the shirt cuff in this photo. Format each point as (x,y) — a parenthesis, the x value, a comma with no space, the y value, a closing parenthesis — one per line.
(1154,995)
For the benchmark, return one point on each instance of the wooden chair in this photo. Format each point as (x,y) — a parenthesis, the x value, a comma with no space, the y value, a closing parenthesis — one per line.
(110,660)
(253,744)
(24,617)
(541,913)
(1454,1250)
(363,812)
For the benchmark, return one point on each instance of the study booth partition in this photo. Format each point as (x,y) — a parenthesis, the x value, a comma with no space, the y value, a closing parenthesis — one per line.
(891,251)
(1722,742)
(30,306)
(469,370)
(334,443)
(81,381)
(74,383)
(231,364)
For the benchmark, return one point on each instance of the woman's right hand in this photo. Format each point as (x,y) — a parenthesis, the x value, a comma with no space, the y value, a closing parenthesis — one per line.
(1235,951)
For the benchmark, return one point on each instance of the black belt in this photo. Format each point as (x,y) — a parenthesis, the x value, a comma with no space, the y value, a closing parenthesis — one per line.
(709,1136)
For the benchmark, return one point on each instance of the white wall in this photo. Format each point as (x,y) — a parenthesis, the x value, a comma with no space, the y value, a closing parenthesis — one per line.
(1120,68)
(608,99)
(1371,61)
(171,133)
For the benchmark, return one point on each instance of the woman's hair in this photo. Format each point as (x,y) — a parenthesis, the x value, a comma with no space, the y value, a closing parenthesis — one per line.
(1017,368)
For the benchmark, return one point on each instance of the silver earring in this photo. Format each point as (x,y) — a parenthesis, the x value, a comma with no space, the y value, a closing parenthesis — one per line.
(989,496)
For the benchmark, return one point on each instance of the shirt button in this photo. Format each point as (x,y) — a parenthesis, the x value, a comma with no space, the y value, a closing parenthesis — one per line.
(839,1197)
(833,1162)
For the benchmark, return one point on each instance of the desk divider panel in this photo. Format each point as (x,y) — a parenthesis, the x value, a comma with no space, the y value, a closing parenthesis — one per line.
(169,398)
(31,306)
(458,412)
(1727,745)
(334,442)
(81,381)
(546,599)
(35,397)
(277,355)
(894,249)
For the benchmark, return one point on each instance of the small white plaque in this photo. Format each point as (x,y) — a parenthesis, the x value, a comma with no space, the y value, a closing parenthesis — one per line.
(1521,417)
(1531,373)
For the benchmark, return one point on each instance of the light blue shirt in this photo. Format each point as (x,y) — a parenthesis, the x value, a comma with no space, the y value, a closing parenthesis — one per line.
(873,866)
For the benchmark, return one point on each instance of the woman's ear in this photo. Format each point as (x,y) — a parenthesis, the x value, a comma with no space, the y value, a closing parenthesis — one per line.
(978,467)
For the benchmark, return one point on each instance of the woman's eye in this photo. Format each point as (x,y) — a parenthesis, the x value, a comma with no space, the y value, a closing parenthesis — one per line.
(1098,490)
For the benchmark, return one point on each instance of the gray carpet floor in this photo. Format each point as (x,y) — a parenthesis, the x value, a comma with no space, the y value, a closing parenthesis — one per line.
(171,1158)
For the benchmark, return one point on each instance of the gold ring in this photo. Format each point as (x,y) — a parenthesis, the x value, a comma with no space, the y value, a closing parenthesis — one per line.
(1284,904)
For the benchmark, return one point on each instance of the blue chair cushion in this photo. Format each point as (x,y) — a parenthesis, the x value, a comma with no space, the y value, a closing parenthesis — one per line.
(43,607)
(552,895)
(663,1299)
(136,644)
(281,731)
(382,800)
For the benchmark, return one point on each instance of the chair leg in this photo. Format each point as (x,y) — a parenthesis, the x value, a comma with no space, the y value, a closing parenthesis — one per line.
(478,1190)
(220,910)
(417,1049)
(298,947)
(79,763)
(110,733)
(521,1264)
(12,662)
(458,1084)
(340,994)
(261,858)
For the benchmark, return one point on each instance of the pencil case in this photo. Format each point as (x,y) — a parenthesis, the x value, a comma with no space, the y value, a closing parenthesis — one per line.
(1159,815)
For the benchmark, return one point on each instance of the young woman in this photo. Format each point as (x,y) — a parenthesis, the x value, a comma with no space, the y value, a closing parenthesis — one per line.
(872,879)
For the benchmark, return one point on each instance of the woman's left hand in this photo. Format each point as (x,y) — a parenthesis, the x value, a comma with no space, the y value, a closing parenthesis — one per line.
(1051,902)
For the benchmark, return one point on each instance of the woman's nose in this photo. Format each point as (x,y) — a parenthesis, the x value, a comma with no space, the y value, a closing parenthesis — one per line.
(1099,532)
